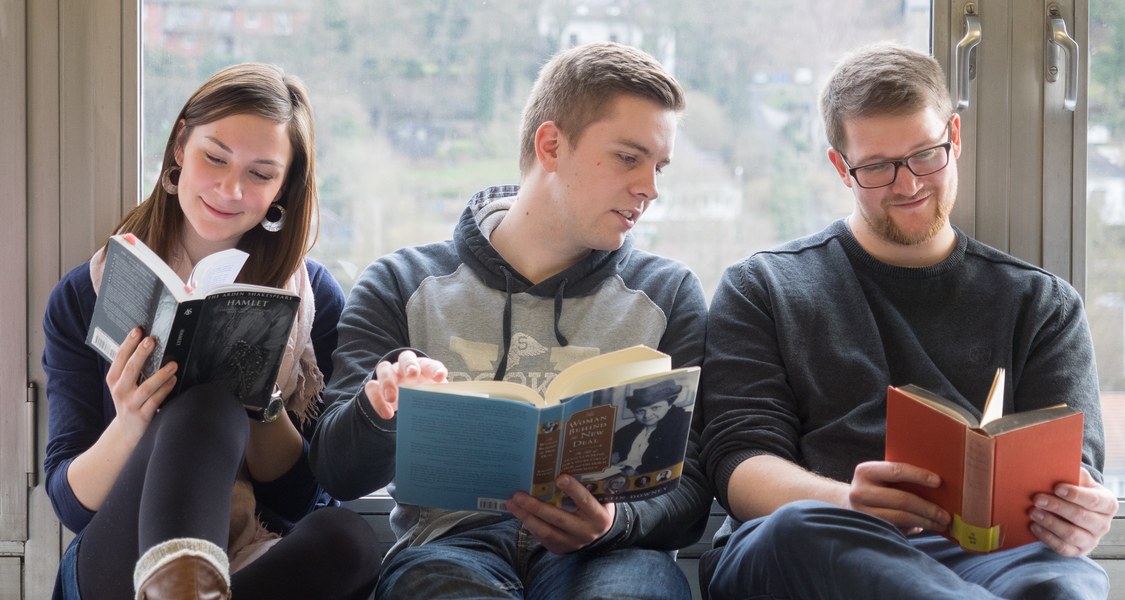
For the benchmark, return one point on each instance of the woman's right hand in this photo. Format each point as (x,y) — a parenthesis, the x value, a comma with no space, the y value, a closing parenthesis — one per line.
(93,472)
(136,403)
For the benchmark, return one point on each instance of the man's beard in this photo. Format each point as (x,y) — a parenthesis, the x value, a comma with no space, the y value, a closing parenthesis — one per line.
(885,227)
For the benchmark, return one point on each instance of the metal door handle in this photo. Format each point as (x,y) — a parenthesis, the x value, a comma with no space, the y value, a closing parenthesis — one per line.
(1058,39)
(963,57)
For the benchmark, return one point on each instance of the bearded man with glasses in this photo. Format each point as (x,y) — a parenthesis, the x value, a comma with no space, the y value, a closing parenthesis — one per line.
(803,340)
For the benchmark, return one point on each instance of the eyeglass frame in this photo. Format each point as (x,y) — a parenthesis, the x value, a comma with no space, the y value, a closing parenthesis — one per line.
(902,162)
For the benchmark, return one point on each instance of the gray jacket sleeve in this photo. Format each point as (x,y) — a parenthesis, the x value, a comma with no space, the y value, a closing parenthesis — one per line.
(353,449)
(1060,367)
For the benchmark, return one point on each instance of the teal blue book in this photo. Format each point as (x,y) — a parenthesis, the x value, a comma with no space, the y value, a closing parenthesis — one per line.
(618,422)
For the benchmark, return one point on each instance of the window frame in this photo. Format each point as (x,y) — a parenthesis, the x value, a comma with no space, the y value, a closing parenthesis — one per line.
(75,168)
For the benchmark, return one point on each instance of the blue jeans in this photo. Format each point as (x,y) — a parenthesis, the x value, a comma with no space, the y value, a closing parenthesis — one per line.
(815,550)
(66,579)
(502,560)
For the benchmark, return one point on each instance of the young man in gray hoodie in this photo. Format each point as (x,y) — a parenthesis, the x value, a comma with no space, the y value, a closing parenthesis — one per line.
(537,277)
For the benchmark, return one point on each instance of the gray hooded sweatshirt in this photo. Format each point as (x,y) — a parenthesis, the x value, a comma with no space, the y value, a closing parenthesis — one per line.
(461,303)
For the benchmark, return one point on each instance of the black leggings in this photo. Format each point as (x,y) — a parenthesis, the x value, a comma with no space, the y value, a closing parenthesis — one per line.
(178,482)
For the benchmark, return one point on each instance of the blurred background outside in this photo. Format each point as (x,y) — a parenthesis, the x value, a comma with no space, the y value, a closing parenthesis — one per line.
(418,103)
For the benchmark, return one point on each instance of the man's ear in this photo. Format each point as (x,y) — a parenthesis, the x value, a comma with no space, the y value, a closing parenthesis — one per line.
(548,141)
(837,161)
(955,135)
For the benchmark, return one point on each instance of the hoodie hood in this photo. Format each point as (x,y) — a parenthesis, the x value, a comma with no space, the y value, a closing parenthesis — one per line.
(484,211)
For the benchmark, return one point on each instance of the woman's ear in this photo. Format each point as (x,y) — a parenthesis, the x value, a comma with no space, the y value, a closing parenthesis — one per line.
(180,137)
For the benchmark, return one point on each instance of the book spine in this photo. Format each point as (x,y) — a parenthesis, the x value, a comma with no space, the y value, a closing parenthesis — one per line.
(973,528)
(545,469)
(179,340)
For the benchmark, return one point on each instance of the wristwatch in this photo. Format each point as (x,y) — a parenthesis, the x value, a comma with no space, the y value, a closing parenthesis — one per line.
(269,412)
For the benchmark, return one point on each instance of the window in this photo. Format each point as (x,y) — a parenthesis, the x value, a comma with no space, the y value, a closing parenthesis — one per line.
(418,107)
(1105,223)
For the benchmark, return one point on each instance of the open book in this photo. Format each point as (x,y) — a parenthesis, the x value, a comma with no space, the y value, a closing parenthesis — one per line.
(617,422)
(990,468)
(218,331)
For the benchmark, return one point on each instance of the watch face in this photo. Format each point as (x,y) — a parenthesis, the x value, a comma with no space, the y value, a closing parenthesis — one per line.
(269,412)
(274,408)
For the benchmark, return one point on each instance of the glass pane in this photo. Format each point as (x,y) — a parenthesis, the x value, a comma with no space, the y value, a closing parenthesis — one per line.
(1105,231)
(418,105)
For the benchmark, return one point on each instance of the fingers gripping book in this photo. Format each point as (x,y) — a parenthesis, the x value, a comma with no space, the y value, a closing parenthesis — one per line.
(618,423)
(216,330)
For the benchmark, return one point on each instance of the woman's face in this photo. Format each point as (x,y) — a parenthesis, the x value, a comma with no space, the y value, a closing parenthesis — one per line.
(232,170)
(650,415)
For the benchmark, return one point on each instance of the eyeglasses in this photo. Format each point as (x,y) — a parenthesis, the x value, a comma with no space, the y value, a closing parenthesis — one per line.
(881,174)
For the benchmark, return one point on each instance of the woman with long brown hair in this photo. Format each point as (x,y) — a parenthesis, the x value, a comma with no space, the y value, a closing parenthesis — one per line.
(187,496)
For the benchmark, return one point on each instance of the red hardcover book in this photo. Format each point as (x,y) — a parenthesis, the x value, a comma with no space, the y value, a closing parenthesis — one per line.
(991,467)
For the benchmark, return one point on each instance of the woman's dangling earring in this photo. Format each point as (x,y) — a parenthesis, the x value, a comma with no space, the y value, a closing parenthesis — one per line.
(274,224)
(170,179)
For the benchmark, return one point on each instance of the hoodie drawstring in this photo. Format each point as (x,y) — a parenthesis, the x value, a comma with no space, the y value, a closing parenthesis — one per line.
(559,337)
(503,367)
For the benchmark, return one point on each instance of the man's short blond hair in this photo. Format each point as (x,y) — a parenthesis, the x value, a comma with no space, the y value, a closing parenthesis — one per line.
(577,86)
(881,79)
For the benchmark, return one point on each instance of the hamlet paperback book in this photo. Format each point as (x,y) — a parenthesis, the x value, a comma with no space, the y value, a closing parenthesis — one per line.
(219,331)
(618,423)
